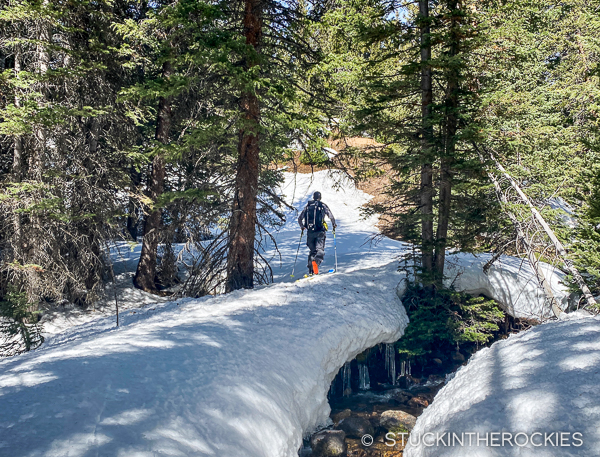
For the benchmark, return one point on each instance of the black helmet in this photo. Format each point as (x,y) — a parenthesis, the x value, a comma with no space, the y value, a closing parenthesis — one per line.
(317,196)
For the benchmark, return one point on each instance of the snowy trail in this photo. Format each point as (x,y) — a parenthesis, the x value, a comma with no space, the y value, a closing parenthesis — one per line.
(359,244)
(244,374)
(358,241)
(356,247)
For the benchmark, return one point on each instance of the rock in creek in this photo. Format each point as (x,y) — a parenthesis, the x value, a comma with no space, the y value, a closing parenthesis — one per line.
(355,427)
(341,415)
(328,443)
(394,419)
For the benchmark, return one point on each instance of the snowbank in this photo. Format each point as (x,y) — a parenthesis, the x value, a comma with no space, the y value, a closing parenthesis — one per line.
(244,374)
(541,382)
(510,281)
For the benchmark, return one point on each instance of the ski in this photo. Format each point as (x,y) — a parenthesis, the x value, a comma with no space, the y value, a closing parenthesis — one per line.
(312,276)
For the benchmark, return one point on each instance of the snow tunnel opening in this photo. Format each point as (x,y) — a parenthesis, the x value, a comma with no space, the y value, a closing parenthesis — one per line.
(381,383)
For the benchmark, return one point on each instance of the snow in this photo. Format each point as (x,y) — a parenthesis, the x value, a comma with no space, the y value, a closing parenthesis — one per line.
(240,374)
(358,243)
(124,256)
(245,373)
(358,240)
(510,281)
(565,211)
(331,153)
(545,380)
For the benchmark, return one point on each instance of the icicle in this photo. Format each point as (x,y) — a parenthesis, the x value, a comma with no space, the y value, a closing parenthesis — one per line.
(364,382)
(346,376)
(331,392)
(390,362)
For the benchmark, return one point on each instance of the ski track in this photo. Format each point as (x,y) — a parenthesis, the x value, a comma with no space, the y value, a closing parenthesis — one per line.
(242,374)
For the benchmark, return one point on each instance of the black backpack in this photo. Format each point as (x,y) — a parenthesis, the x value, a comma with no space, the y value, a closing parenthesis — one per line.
(315,214)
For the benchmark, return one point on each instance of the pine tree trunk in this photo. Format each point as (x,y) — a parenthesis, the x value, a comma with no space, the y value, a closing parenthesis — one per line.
(146,270)
(242,230)
(426,187)
(451,127)
(132,218)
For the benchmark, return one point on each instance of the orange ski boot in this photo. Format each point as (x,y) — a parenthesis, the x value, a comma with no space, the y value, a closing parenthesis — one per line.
(315,268)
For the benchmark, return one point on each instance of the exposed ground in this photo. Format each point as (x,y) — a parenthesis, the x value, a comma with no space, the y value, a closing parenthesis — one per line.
(372,178)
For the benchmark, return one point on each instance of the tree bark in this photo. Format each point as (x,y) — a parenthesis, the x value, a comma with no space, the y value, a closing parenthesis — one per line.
(145,274)
(426,187)
(132,217)
(242,230)
(451,127)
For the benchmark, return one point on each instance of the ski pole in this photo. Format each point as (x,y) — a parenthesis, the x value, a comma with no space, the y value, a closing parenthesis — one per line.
(335,250)
(297,252)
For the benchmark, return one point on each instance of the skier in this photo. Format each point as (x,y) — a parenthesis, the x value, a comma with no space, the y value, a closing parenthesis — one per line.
(312,218)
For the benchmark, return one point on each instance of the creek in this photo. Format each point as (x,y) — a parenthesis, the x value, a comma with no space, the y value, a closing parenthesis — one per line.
(378,393)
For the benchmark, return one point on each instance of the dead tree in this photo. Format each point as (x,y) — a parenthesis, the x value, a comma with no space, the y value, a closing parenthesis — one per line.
(560,250)
(523,240)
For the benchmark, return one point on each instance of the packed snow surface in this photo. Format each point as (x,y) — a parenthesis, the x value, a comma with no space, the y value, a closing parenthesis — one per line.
(243,374)
(538,383)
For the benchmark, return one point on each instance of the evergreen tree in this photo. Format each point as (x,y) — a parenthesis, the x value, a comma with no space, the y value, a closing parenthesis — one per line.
(419,96)
(274,111)
(540,120)
(65,134)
